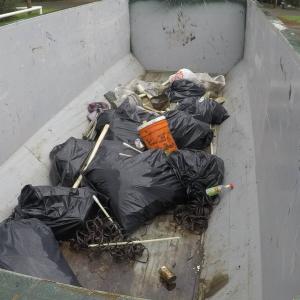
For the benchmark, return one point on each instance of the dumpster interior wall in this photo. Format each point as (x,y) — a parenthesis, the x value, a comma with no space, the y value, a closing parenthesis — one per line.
(254,233)
(272,66)
(202,36)
(260,147)
(48,60)
(92,45)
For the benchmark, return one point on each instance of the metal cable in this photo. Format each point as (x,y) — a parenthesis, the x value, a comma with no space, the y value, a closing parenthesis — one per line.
(102,231)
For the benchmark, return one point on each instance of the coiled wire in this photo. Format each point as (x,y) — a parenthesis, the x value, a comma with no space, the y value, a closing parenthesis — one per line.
(103,231)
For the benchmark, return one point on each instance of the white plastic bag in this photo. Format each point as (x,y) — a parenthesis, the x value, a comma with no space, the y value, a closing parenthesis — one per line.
(215,84)
(184,74)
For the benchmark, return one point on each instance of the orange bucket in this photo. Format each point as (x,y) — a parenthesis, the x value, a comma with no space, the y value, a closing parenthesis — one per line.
(157,135)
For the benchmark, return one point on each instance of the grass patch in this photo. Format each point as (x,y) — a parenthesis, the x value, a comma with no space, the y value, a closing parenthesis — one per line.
(25,16)
(187,2)
(293,19)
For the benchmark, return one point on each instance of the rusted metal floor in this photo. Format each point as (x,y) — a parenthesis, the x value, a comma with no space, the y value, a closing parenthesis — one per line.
(183,256)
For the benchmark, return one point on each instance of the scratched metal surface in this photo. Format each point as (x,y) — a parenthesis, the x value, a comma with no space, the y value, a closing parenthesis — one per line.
(14,286)
(182,256)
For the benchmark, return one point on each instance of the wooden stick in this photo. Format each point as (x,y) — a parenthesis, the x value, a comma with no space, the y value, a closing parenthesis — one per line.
(102,208)
(166,83)
(135,242)
(149,111)
(153,109)
(92,155)
(128,146)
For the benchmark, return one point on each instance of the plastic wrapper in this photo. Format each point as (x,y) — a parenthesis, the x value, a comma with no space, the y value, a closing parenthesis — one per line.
(215,84)
(64,210)
(183,74)
(67,159)
(206,110)
(29,247)
(151,89)
(122,94)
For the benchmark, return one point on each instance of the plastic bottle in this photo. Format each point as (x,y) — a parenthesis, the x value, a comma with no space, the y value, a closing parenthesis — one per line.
(216,190)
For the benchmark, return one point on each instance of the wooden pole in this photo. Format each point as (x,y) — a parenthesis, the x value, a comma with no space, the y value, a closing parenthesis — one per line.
(92,155)
(135,242)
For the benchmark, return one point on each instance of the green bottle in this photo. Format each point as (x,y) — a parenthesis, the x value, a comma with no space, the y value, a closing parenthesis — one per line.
(216,190)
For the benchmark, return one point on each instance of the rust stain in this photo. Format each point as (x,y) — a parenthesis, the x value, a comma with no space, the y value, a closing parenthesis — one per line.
(16,297)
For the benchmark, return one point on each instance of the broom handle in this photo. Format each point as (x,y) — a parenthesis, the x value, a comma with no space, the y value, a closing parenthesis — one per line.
(92,155)
(135,242)
(102,208)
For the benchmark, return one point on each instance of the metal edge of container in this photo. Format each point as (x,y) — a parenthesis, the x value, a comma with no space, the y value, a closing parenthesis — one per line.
(17,286)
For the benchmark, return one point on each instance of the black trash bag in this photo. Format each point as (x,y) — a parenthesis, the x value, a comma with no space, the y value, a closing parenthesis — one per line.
(139,188)
(143,186)
(197,170)
(120,129)
(207,110)
(67,159)
(182,89)
(188,132)
(63,209)
(133,112)
(124,122)
(28,246)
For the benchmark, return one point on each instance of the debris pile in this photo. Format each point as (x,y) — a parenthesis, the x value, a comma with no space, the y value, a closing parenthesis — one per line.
(144,152)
